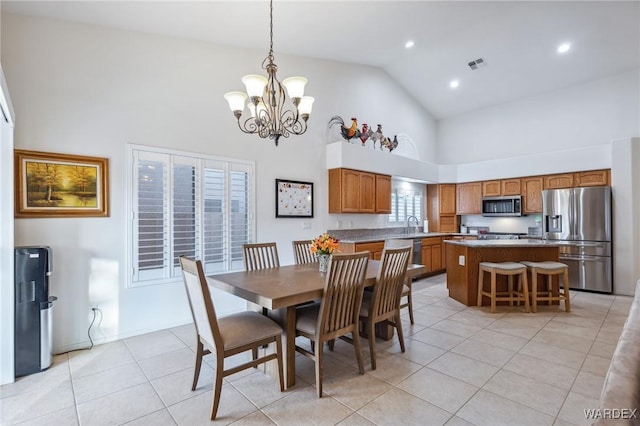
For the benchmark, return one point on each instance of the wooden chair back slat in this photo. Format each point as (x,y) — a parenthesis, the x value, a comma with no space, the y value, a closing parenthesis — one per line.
(342,298)
(260,256)
(388,288)
(302,252)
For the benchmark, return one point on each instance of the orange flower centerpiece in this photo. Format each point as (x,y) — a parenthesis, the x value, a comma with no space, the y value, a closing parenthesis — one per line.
(322,246)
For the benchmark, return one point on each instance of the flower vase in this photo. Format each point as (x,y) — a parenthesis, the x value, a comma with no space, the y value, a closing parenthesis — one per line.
(323,262)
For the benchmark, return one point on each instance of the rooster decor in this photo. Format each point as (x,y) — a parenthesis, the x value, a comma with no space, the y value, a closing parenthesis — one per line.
(366,133)
(347,133)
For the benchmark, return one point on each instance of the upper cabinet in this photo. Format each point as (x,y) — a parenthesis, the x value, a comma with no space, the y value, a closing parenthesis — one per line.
(469,198)
(497,188)
(532,194)
(511,186)
(447,199)
(578,179)
(563,180)
(441,207)
(353,191)
(592,178)
(491,188)
(383,194)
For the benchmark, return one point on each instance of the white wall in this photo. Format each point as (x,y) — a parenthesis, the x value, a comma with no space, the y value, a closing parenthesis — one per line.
(86,90)
(580,116)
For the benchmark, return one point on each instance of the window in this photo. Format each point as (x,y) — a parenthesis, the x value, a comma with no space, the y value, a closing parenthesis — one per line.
(407,199)
(186,204)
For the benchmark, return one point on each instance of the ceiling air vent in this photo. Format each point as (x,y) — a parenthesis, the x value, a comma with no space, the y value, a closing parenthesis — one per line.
(478,63)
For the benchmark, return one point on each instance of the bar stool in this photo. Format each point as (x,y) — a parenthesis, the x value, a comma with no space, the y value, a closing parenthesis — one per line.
(510,269)
(549,268)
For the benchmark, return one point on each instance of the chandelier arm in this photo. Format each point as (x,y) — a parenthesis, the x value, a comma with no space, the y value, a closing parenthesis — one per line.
(250,125)
(292,124)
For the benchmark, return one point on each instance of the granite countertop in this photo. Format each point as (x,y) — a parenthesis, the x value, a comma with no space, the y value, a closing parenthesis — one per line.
(525,242)
(384,237)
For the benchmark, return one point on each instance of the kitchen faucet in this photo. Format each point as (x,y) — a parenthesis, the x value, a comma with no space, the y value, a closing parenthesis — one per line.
(415,227)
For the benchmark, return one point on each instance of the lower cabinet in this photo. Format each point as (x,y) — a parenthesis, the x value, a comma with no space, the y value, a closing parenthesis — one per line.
(432,254)
(374,248)
(432,251)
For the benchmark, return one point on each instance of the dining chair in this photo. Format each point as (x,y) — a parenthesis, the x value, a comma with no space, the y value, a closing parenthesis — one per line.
(302,252)
(383,304)
(260,256)
(406,288)
(337,314)
(226,336)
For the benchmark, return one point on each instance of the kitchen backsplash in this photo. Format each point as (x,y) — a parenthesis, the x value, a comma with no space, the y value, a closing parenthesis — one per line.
(352,234)
(516,225)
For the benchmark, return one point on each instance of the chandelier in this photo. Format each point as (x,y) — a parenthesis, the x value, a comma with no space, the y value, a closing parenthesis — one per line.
(269,117)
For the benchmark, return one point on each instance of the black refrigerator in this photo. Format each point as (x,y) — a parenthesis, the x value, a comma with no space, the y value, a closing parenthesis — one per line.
(33,310)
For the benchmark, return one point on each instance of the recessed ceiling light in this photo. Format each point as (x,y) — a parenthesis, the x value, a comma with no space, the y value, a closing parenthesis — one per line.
(409,44)
(454,83)
(564,48)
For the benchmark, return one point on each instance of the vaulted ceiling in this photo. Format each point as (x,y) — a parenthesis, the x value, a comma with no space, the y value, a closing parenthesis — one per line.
(517,40)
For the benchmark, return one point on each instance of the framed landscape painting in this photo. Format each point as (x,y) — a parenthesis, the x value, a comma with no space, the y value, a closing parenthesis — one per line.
(60,185)
(293,198)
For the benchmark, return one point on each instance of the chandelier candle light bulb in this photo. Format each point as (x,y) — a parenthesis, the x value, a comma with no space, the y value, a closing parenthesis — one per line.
(269,117)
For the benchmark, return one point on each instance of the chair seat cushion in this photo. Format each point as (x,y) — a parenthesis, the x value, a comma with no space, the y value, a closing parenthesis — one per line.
(246,327)
(509,266)
(307,318)
(547,264)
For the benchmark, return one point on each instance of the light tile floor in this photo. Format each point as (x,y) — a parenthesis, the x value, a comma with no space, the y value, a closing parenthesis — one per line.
(462,366)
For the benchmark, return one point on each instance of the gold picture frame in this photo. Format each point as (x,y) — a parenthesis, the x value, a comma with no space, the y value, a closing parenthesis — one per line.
(60,185)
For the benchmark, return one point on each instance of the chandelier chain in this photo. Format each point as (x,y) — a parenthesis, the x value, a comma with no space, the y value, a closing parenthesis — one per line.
(270,56)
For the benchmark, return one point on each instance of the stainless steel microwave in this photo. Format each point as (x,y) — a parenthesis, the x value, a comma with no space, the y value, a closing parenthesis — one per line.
(502,206)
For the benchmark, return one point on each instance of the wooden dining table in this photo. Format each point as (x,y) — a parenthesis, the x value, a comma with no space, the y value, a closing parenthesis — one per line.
(281,289)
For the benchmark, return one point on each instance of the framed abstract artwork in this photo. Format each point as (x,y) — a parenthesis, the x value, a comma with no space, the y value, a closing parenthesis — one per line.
(294,198)
(60,185)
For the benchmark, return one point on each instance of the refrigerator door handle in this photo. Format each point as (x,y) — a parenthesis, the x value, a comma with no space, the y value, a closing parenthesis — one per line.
(584,258)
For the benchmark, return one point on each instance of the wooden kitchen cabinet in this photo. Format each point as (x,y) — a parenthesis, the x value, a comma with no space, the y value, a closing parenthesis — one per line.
(491,188)
(497,188)
(564,180)
(374,248)
(432,254)
(383,194)
(511,186)
(532,195)
(591,178)
(469,198)
(367,192)
(447,199)
(441,208)
(353,191)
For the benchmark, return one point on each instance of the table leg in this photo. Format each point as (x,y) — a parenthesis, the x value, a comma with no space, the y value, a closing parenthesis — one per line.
(290,347)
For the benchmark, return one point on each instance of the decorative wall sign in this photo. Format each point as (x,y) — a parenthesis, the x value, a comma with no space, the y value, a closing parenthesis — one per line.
(60,185)
(294,199)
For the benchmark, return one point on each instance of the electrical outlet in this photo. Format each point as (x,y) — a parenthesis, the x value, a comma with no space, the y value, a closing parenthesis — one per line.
(339,224)
(306,225)
(461,260)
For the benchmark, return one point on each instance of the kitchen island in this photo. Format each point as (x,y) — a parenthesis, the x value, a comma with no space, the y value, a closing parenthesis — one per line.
(463,259)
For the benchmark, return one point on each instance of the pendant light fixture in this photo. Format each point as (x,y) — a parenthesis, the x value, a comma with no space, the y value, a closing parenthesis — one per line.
(270,117)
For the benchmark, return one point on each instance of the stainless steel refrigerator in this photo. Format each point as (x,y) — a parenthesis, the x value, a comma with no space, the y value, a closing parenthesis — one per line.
(580,220)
